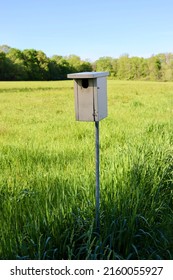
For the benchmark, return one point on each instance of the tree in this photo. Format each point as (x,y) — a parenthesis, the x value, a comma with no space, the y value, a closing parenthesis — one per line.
(124,68)
(2,65)
(6,67)
(32,64)
(138,68)
(154,65)
(19,71)
(43,63)
(85,67)
(37,64)
(59,67)
(78,65)
(166,61)
(104,64)
(114,67)
(74,62)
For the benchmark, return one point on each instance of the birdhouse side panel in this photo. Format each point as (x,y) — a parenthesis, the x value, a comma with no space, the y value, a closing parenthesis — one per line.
(102,97)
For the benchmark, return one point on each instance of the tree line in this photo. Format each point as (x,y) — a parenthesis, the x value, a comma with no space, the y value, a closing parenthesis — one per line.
(33,65)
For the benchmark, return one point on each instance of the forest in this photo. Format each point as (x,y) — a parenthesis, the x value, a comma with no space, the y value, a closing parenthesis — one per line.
(34,65)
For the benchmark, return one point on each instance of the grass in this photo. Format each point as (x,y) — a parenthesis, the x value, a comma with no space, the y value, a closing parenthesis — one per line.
(47,178)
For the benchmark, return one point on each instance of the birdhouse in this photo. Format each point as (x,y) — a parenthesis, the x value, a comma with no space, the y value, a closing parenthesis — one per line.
(90,91)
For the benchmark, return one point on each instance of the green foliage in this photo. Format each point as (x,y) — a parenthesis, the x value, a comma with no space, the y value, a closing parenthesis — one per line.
(6,67)
(59,68)
(104,64)
(37,65)
(77,65)
(33,65)
(19,70)
(30,64)
(155,68)
(47,179)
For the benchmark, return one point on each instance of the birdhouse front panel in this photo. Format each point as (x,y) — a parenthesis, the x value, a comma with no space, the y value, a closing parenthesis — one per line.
(84,99)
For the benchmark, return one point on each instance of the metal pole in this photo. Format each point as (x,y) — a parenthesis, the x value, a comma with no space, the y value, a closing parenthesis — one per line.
(97,177)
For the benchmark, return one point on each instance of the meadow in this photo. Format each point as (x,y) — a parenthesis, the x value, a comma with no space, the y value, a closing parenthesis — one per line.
(47,173)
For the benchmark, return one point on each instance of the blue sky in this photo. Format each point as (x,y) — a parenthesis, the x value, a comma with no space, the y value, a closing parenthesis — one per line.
(88,28)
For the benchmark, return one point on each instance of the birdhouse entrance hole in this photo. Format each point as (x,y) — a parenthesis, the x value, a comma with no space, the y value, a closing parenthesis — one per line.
(85,83)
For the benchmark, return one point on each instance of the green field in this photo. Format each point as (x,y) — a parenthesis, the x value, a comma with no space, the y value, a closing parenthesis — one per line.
(47,173)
